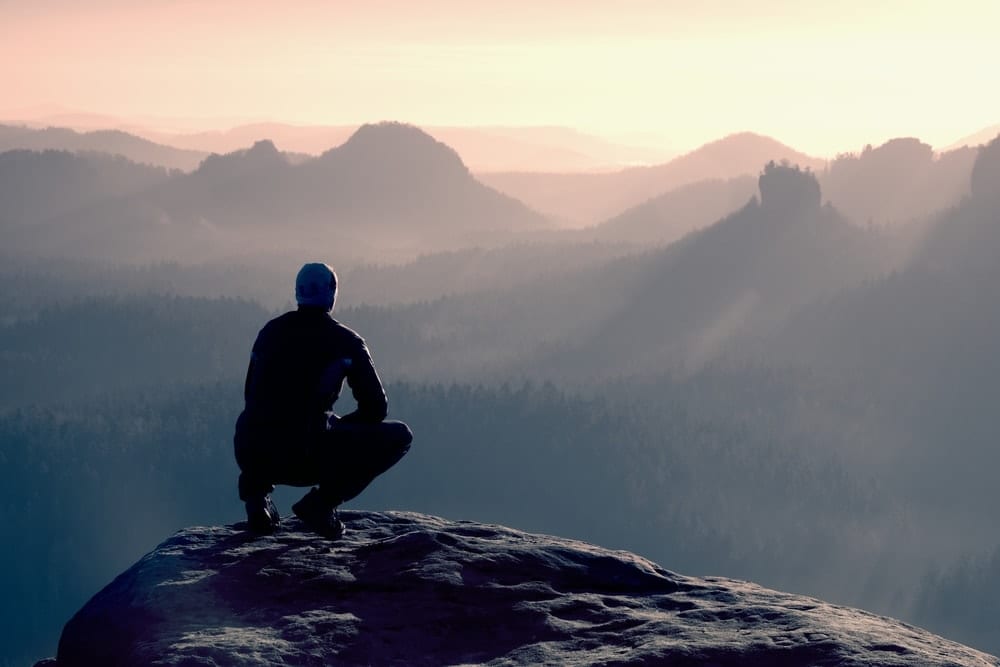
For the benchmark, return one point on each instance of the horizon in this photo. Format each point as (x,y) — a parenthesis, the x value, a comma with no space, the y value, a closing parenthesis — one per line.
(159,129)
(706,283)
(654,73)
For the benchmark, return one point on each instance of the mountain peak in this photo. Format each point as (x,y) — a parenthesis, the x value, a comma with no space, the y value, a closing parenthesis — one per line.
(262,155)
(787,188)
(405,588)
(401,144)
(263,147)
(745,137)
(391,131)
(756,145)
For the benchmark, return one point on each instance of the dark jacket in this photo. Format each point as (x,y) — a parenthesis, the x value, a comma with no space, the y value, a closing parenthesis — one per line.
(297,370)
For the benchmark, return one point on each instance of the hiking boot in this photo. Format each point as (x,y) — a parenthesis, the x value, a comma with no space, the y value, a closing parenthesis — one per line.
(262,515)
(317,513)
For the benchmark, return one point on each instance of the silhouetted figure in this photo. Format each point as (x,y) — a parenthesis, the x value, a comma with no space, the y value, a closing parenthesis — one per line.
(288,434)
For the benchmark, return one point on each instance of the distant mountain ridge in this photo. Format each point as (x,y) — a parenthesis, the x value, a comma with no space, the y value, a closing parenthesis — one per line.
(580,199)
(36,187)
(739,277)
(899,181)
(114,142)
(979,138)
(670,216)
(673,308)
(389,188)
(389,176)
(482,148)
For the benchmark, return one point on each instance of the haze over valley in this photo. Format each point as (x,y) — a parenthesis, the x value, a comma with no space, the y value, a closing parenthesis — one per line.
(720,314)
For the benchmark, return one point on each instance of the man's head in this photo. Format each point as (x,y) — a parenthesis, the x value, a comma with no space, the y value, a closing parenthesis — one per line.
(316,285)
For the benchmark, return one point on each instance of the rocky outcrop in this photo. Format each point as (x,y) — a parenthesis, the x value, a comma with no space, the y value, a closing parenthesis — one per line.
(787,190)
(409,589)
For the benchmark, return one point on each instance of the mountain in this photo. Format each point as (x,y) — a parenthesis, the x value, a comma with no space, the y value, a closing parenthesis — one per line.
(42,116)
(979,138)
(547,149)
(114,142)
(899,181)
(36,187)
(481,148)
(737,278)
(966,238)
(671,308)
(934,319)
(389,189)
(580,199)
(311,140)
(405,588)
(388,177)
(921,345)
(666,218)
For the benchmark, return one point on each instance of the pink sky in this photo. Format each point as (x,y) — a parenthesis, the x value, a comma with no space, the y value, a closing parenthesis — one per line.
(822,78)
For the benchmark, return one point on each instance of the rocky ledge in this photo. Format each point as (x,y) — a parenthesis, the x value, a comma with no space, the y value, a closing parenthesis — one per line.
(410,589)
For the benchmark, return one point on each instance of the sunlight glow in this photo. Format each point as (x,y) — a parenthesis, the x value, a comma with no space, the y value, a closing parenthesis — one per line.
(810,77)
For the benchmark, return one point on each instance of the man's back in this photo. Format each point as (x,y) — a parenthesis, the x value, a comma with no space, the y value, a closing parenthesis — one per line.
(298,366)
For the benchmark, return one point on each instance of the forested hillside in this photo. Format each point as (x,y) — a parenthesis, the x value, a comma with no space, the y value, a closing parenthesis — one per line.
(782,396)
(93,346)
(93,486)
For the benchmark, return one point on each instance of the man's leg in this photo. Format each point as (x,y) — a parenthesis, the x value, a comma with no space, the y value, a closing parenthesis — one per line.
(355,453)
(347,459)
(254,486)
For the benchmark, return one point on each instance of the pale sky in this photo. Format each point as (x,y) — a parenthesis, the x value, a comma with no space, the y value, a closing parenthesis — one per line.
(824,77)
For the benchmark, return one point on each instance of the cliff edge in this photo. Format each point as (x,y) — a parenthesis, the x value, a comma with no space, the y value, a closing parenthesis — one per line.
(409,589)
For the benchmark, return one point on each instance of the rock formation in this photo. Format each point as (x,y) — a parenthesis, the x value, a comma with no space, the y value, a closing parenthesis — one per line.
(410,589)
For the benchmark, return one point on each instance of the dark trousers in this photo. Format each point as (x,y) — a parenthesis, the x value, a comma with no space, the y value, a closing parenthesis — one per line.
(343,460)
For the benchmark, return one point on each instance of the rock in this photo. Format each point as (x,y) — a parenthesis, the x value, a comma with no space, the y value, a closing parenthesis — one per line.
(409,589)
(788,190)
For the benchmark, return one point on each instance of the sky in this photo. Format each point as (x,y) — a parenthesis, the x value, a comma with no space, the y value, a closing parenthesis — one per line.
(823,77)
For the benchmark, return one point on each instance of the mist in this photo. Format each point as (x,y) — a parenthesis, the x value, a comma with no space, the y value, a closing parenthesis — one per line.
(740,361)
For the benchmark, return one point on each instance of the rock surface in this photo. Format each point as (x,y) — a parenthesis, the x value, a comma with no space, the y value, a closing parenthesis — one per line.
(410,589)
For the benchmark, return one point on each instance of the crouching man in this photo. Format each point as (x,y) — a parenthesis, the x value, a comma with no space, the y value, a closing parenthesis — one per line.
(287,432)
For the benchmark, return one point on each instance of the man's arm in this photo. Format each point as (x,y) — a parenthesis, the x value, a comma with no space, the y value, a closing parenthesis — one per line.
(367,389)
(249,381)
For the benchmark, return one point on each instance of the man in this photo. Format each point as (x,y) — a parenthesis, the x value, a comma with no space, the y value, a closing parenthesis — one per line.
(287,432)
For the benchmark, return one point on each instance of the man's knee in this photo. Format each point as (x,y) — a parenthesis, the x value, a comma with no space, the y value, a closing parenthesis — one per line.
(405,434)
(399,434)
